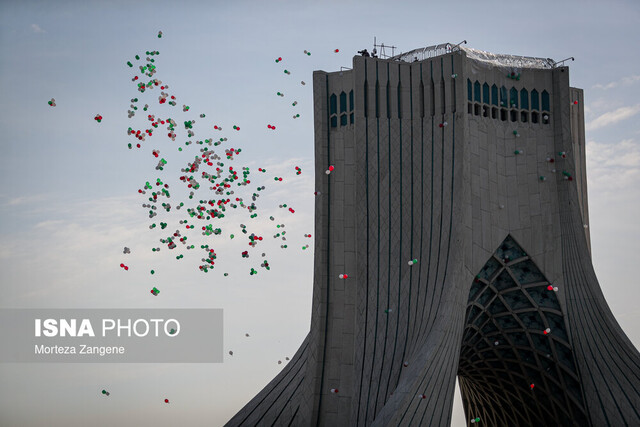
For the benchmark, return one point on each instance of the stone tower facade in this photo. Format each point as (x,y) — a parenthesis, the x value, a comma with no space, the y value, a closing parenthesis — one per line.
(457,208)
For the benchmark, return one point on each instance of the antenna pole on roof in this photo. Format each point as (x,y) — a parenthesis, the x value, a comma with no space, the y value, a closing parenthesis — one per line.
(458,45)
(382,46)
(564,60)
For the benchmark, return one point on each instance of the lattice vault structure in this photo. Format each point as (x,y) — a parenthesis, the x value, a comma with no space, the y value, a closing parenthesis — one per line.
(458,208)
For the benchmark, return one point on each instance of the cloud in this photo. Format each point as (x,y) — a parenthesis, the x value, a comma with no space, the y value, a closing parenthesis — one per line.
(613,170)
(622,82)
(612,117)
(36,29)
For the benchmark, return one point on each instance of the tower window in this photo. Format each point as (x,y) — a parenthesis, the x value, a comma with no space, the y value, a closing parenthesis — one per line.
(333,107)
(503,96)
(535,100)
(351,100)
(545,100)
(494,95)
(485,94)
(469,91)
(534,117)
(476,91)
(343,102)
(513,98)
(524,99)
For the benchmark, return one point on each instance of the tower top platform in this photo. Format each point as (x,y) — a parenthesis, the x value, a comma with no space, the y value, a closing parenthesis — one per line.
(497,59)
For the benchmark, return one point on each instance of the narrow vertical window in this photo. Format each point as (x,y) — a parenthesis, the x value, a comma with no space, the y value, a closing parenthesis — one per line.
(485,94)
(524,99)
(351,100)
(333,108)
(545,100)
(469,91)
(476,92)
(513,98)
(494,95)
(535,100)
(343,102)
(503,96)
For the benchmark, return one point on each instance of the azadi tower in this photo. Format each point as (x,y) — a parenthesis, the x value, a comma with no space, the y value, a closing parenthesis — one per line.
(457,208)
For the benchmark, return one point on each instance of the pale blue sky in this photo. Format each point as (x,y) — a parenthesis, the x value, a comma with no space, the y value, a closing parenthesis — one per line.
(69,202)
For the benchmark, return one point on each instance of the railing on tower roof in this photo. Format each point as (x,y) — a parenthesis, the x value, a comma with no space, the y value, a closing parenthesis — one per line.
(511,61)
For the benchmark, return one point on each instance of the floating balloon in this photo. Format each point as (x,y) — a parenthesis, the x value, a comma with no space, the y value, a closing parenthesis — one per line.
(166,401)
(52,103)
(334,390)
(105,392)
